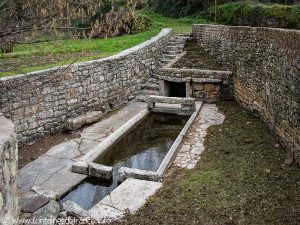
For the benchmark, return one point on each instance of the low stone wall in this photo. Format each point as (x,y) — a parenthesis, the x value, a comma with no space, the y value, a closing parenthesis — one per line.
(9,204)
(42,102)
(266,67)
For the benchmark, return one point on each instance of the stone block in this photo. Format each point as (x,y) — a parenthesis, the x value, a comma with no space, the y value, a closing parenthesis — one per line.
(80,167)
(101,171)
(45,193)
(209,87)
(75,210)
(198,86)
(90,117)
(124,173)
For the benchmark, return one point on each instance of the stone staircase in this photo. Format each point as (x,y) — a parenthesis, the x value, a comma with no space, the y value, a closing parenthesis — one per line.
(151,87)
(176,46)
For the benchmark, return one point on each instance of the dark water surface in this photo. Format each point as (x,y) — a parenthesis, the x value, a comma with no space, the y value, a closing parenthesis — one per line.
(143,148)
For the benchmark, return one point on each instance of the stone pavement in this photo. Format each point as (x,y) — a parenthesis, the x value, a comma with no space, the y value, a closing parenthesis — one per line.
(193,144)
(52,171)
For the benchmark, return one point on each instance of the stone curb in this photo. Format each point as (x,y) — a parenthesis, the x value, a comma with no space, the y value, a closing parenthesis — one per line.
(171,153)
(114,137)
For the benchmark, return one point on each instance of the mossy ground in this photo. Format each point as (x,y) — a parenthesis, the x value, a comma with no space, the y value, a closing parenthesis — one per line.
(240,179)
(197,58)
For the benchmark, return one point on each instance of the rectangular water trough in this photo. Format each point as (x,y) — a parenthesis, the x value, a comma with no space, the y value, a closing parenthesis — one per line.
(144,147)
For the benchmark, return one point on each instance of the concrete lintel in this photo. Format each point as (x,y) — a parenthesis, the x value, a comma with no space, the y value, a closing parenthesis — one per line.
(172,111)
(206,80)
(170,100)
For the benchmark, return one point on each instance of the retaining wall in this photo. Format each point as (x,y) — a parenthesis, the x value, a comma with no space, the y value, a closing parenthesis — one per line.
(41,103)
(9,205)
(266,67)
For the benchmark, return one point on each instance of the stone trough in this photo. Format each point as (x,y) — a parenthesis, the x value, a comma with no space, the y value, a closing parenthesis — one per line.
(87,164)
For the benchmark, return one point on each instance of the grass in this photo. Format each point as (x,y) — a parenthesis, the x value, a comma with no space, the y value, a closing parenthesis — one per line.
(180,25)
(32,57)
(252,13)
(240,179)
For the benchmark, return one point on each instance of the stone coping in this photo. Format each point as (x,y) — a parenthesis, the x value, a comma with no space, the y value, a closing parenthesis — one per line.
(121,55)
(245,27)
(196,75)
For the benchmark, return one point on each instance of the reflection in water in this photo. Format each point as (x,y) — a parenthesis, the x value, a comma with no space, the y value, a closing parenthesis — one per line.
(143,148)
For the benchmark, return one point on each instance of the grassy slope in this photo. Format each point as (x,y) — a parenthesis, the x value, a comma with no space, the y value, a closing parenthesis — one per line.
(239,180)
(43,55)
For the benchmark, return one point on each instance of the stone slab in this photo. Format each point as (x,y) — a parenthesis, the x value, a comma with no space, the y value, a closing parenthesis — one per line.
(45,215)
(34,203)
(129,196)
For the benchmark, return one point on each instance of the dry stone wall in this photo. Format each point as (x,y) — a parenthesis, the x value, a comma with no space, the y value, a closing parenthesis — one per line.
(9,205)
(266,66)
(42,102)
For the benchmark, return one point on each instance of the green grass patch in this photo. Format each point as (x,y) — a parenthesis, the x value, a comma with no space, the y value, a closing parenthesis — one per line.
(106,47)
(240,179)
(43,55)
(180,25)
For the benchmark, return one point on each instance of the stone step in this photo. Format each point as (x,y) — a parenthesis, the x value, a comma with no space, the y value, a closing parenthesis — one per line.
(169,56)
(180,38)
(172,52)
(151,81)
(174,48)
(176,43)
(166,61)
(151,86)
(150,92)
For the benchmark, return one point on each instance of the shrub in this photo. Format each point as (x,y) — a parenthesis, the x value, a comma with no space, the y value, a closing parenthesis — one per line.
(140,23)
(253,14)
(177,8)
(6,47)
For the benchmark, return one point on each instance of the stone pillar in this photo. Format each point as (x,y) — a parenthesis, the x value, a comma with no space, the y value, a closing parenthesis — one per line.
(9,202)
(188,89)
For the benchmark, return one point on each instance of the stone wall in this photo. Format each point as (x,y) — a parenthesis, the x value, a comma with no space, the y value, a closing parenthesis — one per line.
(205,85)
(40,103)
(9,205)
(266,67)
